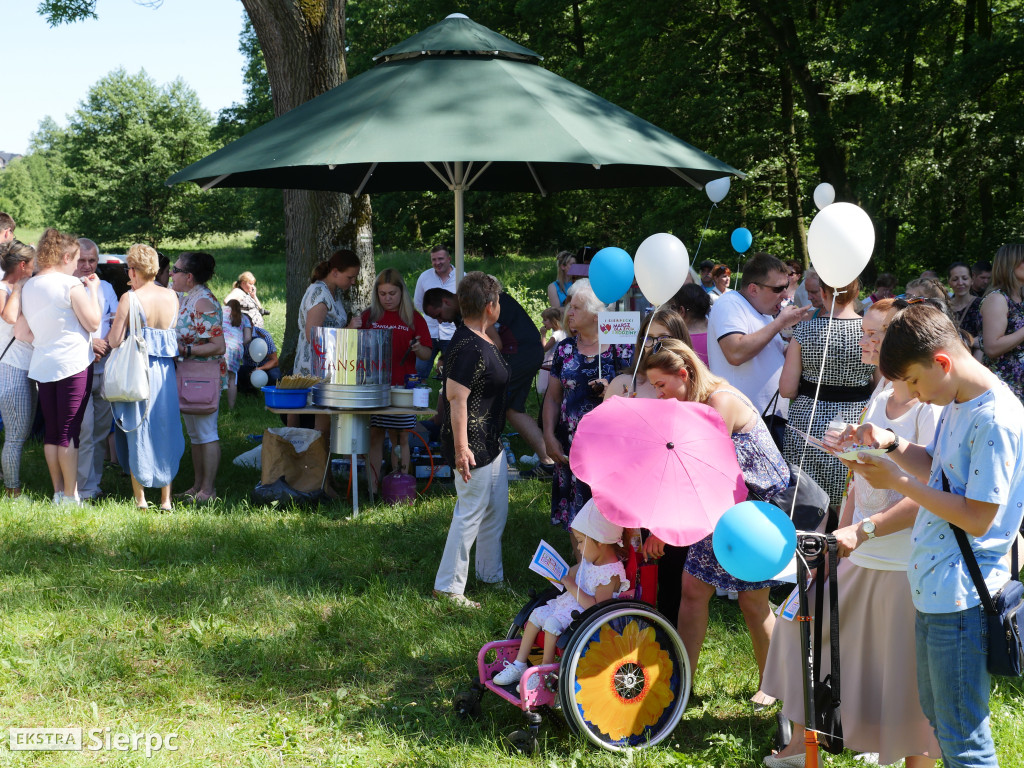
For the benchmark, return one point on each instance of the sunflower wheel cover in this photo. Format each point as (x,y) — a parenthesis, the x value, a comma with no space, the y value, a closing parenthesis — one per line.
(625,677)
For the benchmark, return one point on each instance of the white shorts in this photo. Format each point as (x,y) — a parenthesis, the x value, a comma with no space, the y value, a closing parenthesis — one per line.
(201,429)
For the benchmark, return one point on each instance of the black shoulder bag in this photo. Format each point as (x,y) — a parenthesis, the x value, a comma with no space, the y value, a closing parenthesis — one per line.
(1002,610)
(776,424)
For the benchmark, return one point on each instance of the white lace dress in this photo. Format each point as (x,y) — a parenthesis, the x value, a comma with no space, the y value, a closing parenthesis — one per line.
(555,615)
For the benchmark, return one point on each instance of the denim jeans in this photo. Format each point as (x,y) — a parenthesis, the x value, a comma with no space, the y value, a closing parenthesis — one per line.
(953,683)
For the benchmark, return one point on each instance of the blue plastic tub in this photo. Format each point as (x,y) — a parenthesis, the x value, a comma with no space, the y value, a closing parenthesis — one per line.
(285,398)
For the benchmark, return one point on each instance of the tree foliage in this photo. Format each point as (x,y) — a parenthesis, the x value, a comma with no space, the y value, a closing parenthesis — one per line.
(908,109)
(262,209)
(911,110)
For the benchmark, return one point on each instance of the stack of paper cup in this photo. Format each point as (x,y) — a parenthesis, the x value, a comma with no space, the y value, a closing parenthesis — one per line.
(421,397)
(836,427)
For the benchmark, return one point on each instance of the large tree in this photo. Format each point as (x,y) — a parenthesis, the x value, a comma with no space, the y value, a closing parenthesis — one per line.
(122,142)
(303,42)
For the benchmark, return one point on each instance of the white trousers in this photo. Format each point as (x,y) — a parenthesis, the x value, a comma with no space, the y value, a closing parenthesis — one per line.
(480,513)
(92,441)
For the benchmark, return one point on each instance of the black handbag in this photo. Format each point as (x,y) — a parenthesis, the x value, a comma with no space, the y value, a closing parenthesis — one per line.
(811,501)
(1002,610)
(776,424)
(827,716)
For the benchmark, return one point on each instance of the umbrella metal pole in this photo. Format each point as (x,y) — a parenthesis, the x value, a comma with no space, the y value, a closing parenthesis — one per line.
(810,551)
(460,217)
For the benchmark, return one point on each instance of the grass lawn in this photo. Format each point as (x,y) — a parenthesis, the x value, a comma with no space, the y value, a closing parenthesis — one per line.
(267,637)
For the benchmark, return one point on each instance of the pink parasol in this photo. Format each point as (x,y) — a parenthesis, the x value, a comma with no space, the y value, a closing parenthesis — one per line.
(664,465)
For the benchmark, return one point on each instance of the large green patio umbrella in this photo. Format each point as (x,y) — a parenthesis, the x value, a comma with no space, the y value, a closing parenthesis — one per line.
(457,107)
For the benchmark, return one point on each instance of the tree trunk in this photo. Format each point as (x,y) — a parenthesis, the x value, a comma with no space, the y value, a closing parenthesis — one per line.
(303,42)
(828,151)
(799,229)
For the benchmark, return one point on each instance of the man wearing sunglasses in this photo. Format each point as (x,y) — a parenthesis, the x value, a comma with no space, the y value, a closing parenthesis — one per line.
(744,345)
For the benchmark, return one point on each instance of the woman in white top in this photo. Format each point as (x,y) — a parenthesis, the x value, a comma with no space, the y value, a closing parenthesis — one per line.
(244,292)
(17,393)
(61,311)
(320,308)
(881,710)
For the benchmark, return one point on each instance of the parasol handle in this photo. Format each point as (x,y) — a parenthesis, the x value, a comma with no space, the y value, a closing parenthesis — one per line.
(810,747)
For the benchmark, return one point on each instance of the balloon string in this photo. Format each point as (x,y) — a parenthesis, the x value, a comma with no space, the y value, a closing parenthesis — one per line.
(702,232)
(643,347)
(814,403)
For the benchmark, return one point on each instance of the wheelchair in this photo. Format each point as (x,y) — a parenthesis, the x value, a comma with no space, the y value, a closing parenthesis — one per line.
(621,676)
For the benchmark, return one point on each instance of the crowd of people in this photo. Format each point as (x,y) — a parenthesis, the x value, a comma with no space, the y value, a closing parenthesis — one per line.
(905,374)
(934,376)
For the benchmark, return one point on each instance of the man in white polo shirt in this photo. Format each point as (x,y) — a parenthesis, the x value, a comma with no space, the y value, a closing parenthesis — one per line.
(744,345)
(98,415)
(441,275)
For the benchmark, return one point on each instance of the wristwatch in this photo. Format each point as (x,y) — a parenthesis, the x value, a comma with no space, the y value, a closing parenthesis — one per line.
(868,527)
(895,442)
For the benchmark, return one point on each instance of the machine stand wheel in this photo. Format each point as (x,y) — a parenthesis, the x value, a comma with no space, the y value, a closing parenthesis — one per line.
(783,732)
(523,741)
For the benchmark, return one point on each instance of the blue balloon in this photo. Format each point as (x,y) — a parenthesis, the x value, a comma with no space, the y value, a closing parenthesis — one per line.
(611,274)
(754,540)
(741,239)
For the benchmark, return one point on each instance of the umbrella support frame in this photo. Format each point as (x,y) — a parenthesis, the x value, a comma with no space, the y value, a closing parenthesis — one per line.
(810,553)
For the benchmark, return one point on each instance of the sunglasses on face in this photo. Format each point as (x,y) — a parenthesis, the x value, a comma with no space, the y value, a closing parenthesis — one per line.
(773,288)
(180,271)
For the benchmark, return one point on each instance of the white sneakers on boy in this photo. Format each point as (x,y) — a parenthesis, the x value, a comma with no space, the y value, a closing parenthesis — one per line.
(511,673)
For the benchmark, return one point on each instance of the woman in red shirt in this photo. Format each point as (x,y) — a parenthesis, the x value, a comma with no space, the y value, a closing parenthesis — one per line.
(391,309)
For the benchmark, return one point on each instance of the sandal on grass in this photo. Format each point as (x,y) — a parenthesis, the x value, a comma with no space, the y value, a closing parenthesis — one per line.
(460,600)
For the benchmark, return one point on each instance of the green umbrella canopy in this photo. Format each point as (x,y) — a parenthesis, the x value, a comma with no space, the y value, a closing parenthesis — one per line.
(433,117)
(457,33)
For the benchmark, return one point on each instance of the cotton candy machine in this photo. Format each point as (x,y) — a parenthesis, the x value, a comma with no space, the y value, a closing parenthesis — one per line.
(355,365)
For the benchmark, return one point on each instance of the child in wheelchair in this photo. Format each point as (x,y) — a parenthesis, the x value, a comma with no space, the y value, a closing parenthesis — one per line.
(599,576)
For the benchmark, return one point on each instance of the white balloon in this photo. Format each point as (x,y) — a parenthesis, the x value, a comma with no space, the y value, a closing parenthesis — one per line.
(824,195)
(840,240)
(257,350)
(258,379)
(717,190)
(661,266)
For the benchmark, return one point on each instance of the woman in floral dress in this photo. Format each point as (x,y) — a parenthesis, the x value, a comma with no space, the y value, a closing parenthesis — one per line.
(200,330)
(676,372)
(321,308)
(1002,318)
(580,371)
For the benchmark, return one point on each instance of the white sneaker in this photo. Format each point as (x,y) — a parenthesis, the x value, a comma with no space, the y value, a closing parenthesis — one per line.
(73,501)
(532,685)
(58,497)
(511,673)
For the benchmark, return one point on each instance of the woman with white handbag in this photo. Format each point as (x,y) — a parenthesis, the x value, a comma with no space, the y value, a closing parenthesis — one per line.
(144,345)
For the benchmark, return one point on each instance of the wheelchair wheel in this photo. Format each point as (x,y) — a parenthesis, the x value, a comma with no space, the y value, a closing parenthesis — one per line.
(625,678)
